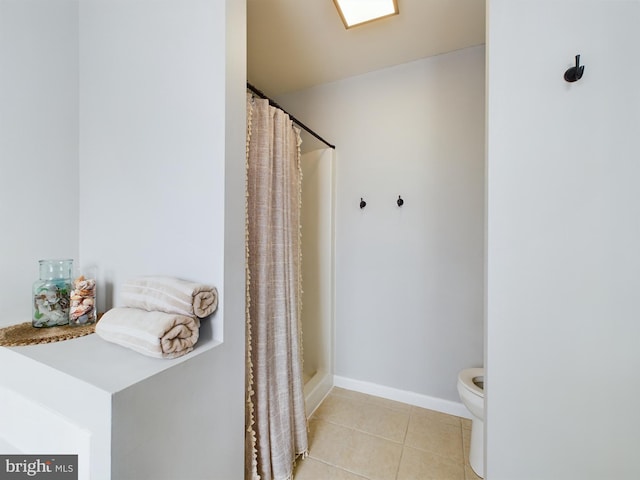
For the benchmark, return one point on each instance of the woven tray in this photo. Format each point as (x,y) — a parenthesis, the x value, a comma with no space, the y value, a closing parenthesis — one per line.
(25,334)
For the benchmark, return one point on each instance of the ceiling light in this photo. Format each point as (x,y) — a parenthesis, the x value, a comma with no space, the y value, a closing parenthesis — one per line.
(357,12)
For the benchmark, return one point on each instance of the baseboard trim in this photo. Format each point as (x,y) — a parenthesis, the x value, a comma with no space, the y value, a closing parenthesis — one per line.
(412,398)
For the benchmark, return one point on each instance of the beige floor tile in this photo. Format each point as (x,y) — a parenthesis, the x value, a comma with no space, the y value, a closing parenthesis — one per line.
(469,474)
(328,441)
(437,437)
(343,392)
(391,404)
(383,422)
(372,457)
(311,469)
(421,465)
(365,398)
(363,415)
(432,415)
(354,436)
(339,409)
(466,444)
(466,423)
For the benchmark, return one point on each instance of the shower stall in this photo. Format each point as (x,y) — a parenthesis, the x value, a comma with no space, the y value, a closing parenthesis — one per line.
(317,218)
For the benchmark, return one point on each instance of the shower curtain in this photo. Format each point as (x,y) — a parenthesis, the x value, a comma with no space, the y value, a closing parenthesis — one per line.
(276,423)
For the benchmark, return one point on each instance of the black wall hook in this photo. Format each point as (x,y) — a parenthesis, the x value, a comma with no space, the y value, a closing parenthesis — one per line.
(400,201)
(574,73)
(362,203)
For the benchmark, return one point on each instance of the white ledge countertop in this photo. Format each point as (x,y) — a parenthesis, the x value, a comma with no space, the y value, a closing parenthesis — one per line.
(104,365)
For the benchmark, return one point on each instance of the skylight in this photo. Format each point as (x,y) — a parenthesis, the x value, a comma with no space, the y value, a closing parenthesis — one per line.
(357,12)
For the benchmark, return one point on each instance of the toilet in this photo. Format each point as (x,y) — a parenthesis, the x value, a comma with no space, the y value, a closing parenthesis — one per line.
(471,391)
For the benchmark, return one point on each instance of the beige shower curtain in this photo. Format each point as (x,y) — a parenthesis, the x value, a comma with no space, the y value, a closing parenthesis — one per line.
(275,413)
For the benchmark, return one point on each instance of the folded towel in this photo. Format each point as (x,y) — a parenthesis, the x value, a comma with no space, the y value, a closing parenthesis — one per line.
(156,334)
(169,295)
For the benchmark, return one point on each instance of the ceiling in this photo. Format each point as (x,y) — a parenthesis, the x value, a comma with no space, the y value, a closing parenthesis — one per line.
(296,44)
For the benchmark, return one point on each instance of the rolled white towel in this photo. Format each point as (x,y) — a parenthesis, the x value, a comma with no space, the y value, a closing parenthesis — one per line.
(169,295)
(156,334)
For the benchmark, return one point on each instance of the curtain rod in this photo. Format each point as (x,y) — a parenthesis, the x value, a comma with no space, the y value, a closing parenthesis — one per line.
(293,119)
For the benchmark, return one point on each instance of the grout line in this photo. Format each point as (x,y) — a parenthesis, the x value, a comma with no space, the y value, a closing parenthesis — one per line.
(339,468)
(400,462)
(364,432)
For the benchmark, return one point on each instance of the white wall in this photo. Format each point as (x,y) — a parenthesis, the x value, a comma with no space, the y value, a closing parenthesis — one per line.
(152,132)
(563,233)
(409,281)
(154,77)
(38,144)
(135,111)
(228,389)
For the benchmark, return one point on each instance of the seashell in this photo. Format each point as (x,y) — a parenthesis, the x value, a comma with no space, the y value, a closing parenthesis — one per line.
(80,310)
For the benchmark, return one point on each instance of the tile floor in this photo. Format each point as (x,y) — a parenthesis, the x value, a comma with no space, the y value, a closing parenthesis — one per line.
(353,436)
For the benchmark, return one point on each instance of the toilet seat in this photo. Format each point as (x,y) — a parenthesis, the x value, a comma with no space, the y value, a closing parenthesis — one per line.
(466,377)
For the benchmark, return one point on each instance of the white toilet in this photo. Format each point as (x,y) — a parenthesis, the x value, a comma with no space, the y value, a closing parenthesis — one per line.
(471,391)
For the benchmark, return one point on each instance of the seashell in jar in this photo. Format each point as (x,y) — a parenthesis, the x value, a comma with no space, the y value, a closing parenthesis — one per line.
(51,296)
(85,285)
(80,310)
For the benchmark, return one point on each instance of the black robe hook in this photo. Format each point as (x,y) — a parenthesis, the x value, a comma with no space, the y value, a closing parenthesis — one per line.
(574,73)
(400,201)
(362,203)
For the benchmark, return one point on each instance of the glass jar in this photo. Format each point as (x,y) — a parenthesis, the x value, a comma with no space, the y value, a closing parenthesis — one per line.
(51,294)
(83,297)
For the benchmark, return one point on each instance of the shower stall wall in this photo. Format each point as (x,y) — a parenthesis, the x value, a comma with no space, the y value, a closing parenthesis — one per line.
(317,274)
